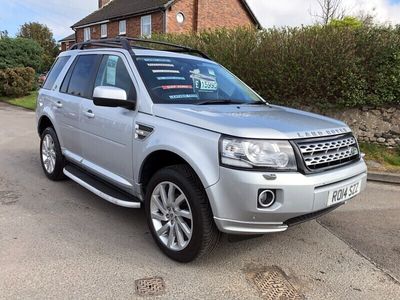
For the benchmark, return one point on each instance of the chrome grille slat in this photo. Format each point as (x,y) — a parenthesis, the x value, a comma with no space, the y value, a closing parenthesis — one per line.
(332,151)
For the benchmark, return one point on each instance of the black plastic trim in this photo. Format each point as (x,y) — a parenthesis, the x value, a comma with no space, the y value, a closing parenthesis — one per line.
(100,184)
(308,217)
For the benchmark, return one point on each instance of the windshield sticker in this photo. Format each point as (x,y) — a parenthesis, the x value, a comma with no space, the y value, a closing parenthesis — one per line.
(167,71)
(204,83)
(177,87)
(184,96)
(171,78)
(161,65)
(155,60)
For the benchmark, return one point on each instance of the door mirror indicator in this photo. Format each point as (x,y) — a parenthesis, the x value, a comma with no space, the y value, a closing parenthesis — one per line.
(109,96)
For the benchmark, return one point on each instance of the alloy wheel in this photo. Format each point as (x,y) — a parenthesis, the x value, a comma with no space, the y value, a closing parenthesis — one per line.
(171,216)
(48,153)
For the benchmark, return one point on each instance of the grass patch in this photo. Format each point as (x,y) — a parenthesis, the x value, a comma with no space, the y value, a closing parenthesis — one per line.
(388,158)
(28,102)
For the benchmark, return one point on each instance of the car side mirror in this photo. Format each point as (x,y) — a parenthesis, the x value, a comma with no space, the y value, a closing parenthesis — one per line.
(109,96)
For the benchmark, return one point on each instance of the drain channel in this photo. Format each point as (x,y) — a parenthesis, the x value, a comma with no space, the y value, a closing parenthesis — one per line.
(272,284)
(152,286)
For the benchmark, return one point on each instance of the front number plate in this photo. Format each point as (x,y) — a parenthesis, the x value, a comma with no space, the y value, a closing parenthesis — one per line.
(344,193)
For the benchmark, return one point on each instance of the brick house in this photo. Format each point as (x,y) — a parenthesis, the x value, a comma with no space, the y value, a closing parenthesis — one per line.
(67,42)
(136,18)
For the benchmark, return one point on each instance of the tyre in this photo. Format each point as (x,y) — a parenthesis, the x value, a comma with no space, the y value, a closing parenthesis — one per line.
(51,157)
(179,214)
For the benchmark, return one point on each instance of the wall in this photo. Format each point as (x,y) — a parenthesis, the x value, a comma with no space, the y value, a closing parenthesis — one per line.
(372,125)
(132,27)
(189,9)
(66,45)
(222,13)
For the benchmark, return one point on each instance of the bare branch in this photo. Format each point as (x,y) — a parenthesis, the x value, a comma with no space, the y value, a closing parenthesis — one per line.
(329,10)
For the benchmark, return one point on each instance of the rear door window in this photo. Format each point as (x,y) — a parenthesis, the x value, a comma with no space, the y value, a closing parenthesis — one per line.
(82,77)
(55,72)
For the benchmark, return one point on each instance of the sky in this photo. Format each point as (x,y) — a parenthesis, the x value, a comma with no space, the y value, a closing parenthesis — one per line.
(59,15)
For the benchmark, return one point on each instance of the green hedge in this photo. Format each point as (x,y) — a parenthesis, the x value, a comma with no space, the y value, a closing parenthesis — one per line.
(20,52)
(16,82)
(324,66)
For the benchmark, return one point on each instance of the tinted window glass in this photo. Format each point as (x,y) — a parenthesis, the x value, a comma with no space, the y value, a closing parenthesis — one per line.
(67,78)
(81,82)
(55,71)
(191,81)
(112,72)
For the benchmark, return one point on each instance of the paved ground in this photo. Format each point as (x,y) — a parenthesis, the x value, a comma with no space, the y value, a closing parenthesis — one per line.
(57,240)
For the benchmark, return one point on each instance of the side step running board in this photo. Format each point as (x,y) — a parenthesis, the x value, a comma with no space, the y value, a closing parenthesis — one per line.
(100,189)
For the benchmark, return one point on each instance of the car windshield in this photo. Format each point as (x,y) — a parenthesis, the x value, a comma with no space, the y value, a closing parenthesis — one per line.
(172,80)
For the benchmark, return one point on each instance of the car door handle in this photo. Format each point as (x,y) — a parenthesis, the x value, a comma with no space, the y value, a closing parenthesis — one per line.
(59,104)
(89,114)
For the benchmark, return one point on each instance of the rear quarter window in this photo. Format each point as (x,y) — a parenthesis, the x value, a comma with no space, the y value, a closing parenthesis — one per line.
(55,71)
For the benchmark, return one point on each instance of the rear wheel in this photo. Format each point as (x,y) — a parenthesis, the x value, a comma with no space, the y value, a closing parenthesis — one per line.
(51,156)
(179,214)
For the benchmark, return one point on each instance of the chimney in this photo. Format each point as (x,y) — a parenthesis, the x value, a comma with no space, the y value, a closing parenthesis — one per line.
(103,3)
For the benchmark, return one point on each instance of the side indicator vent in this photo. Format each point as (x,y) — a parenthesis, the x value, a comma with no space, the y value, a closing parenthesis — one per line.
(142,131)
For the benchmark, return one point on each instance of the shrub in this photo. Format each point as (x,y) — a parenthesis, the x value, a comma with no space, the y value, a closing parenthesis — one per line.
(347,22)
(20,52)
(16,82)
(336,66)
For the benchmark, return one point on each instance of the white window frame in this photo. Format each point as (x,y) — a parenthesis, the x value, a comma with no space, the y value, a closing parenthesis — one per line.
(103,30)
(145,21)
(122,27)
(86,34)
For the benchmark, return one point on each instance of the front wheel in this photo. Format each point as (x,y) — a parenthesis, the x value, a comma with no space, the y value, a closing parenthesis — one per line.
(179,214)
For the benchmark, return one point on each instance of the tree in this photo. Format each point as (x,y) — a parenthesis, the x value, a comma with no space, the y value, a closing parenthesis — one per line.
(44,37)
(3,34)
(347,21)
(20,52)
(330,10)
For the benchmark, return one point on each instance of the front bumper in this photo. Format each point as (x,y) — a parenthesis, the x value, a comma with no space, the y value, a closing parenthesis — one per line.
(299,197)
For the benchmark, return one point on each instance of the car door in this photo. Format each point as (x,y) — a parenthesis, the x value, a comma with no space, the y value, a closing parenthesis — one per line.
(74,89)
(107,133)
(50,96)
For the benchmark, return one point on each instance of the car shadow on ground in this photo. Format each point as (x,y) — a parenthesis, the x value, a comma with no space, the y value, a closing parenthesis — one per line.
(86,219)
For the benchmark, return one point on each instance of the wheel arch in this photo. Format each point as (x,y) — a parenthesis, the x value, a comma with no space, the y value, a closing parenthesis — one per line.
(158,160)
(43,123)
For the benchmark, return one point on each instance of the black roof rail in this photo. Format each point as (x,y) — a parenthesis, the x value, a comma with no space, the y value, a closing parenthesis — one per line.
(131,43)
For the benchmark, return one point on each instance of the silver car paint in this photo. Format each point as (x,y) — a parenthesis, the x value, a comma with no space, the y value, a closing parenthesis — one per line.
(249,121)
(193,132)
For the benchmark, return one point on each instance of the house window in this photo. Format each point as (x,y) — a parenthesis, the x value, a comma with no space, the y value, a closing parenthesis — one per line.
(122,27)
(146,26)
(86,33)
(180,18)
(103,30)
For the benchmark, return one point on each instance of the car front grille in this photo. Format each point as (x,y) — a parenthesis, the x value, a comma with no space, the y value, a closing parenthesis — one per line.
(328,152)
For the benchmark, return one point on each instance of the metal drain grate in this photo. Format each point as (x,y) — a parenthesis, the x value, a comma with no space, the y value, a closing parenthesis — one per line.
(150,286)
(273,284)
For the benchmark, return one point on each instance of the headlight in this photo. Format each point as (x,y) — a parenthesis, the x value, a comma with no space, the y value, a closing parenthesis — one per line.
(243,153)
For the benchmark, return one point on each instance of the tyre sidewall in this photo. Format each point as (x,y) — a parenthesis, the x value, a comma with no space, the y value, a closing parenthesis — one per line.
(57,174)
(194,196)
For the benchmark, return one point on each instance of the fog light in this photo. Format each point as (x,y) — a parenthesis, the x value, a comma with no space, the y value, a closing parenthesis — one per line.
(266,198)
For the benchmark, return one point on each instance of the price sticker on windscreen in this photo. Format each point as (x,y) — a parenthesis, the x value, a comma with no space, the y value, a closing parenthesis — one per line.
(204,83)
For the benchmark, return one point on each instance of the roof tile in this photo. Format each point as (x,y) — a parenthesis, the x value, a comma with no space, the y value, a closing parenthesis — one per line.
(120,8)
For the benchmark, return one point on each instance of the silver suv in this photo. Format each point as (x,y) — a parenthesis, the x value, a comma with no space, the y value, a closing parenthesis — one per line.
(177,133)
